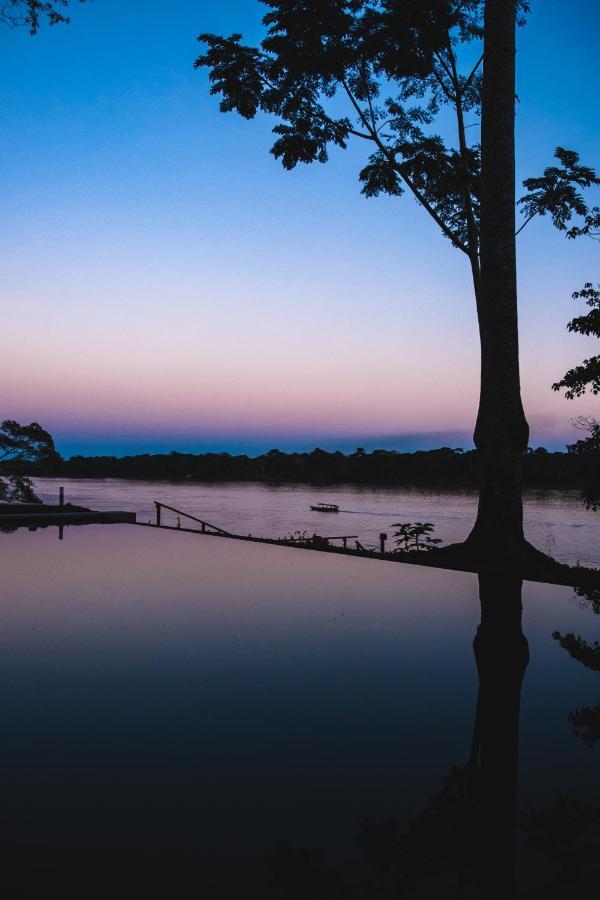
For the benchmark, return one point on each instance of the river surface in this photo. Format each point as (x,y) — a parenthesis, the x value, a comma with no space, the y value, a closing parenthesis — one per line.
(555,521)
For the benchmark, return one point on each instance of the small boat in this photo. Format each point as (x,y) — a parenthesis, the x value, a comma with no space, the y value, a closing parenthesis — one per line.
(326,507)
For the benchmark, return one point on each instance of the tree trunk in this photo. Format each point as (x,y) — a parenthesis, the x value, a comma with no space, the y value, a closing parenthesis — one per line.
(501,432)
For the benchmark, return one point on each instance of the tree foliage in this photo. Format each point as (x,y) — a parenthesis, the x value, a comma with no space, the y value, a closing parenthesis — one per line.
(590,227)
(587,375)
(556,193)
(22,446)
(415,536)
(31,13)
(381,71)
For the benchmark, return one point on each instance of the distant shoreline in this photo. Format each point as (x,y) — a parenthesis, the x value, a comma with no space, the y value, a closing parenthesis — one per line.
(445,467)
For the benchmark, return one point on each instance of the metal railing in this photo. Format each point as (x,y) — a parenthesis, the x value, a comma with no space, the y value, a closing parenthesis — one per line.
(206,527)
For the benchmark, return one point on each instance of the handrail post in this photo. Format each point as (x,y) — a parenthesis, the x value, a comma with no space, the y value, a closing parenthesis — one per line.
(157,505)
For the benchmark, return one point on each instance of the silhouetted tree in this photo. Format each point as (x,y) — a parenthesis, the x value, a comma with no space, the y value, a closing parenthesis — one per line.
(590,227)
(576,381)
(31,13)
(501,432)
(396,66)
(589,449)
(587,375)
(22,446)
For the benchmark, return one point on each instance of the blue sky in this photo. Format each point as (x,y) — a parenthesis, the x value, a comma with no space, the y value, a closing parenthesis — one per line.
(166,284)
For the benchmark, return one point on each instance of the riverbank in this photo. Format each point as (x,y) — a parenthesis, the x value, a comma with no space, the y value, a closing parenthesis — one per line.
(445,467)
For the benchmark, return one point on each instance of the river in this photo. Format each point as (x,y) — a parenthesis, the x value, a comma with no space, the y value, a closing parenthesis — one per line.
(555,521)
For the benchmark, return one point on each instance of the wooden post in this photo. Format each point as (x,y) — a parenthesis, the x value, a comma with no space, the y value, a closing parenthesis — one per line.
(61,496)
(344,542)
(60,532)
(204,528)
(382,540)
(157,505)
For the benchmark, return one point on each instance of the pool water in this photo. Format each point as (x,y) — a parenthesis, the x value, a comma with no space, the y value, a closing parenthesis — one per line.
(175,706)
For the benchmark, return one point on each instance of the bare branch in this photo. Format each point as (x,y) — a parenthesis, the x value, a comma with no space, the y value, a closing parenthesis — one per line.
(472,74)
(438,55)
(526,222)
(368,92)
(443,85)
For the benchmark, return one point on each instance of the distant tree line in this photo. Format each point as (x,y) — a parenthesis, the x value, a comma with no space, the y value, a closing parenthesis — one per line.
(444,467)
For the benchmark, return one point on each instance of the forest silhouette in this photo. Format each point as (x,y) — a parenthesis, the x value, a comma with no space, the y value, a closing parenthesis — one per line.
(446,467)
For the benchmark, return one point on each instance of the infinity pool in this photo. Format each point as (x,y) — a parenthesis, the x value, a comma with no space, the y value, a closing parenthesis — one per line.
(175,706)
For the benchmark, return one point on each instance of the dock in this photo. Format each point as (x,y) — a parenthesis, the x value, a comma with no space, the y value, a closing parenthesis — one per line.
(40,515)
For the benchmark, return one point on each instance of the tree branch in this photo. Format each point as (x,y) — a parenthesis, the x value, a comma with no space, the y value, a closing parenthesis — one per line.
(443,64)
(526,222)
(390,156)
(373,119)
(442,84)
(469,211)
(473,73)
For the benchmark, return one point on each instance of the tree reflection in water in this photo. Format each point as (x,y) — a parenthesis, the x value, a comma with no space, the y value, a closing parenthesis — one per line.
(463,843)
(586,720)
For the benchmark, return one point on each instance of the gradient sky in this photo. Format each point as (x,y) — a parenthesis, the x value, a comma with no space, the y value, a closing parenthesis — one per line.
(166,284)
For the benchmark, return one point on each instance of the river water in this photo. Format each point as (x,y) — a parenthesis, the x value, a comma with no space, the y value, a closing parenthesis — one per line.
(555,521)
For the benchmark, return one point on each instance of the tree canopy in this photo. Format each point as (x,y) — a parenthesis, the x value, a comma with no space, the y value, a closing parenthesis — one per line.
(20,447)
(576,381)
(381,71)
(31,13)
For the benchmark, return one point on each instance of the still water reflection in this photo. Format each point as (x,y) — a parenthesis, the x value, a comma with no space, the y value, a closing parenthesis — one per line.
(175,707)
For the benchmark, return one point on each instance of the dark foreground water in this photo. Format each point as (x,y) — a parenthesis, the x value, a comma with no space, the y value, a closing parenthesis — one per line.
(173,707)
